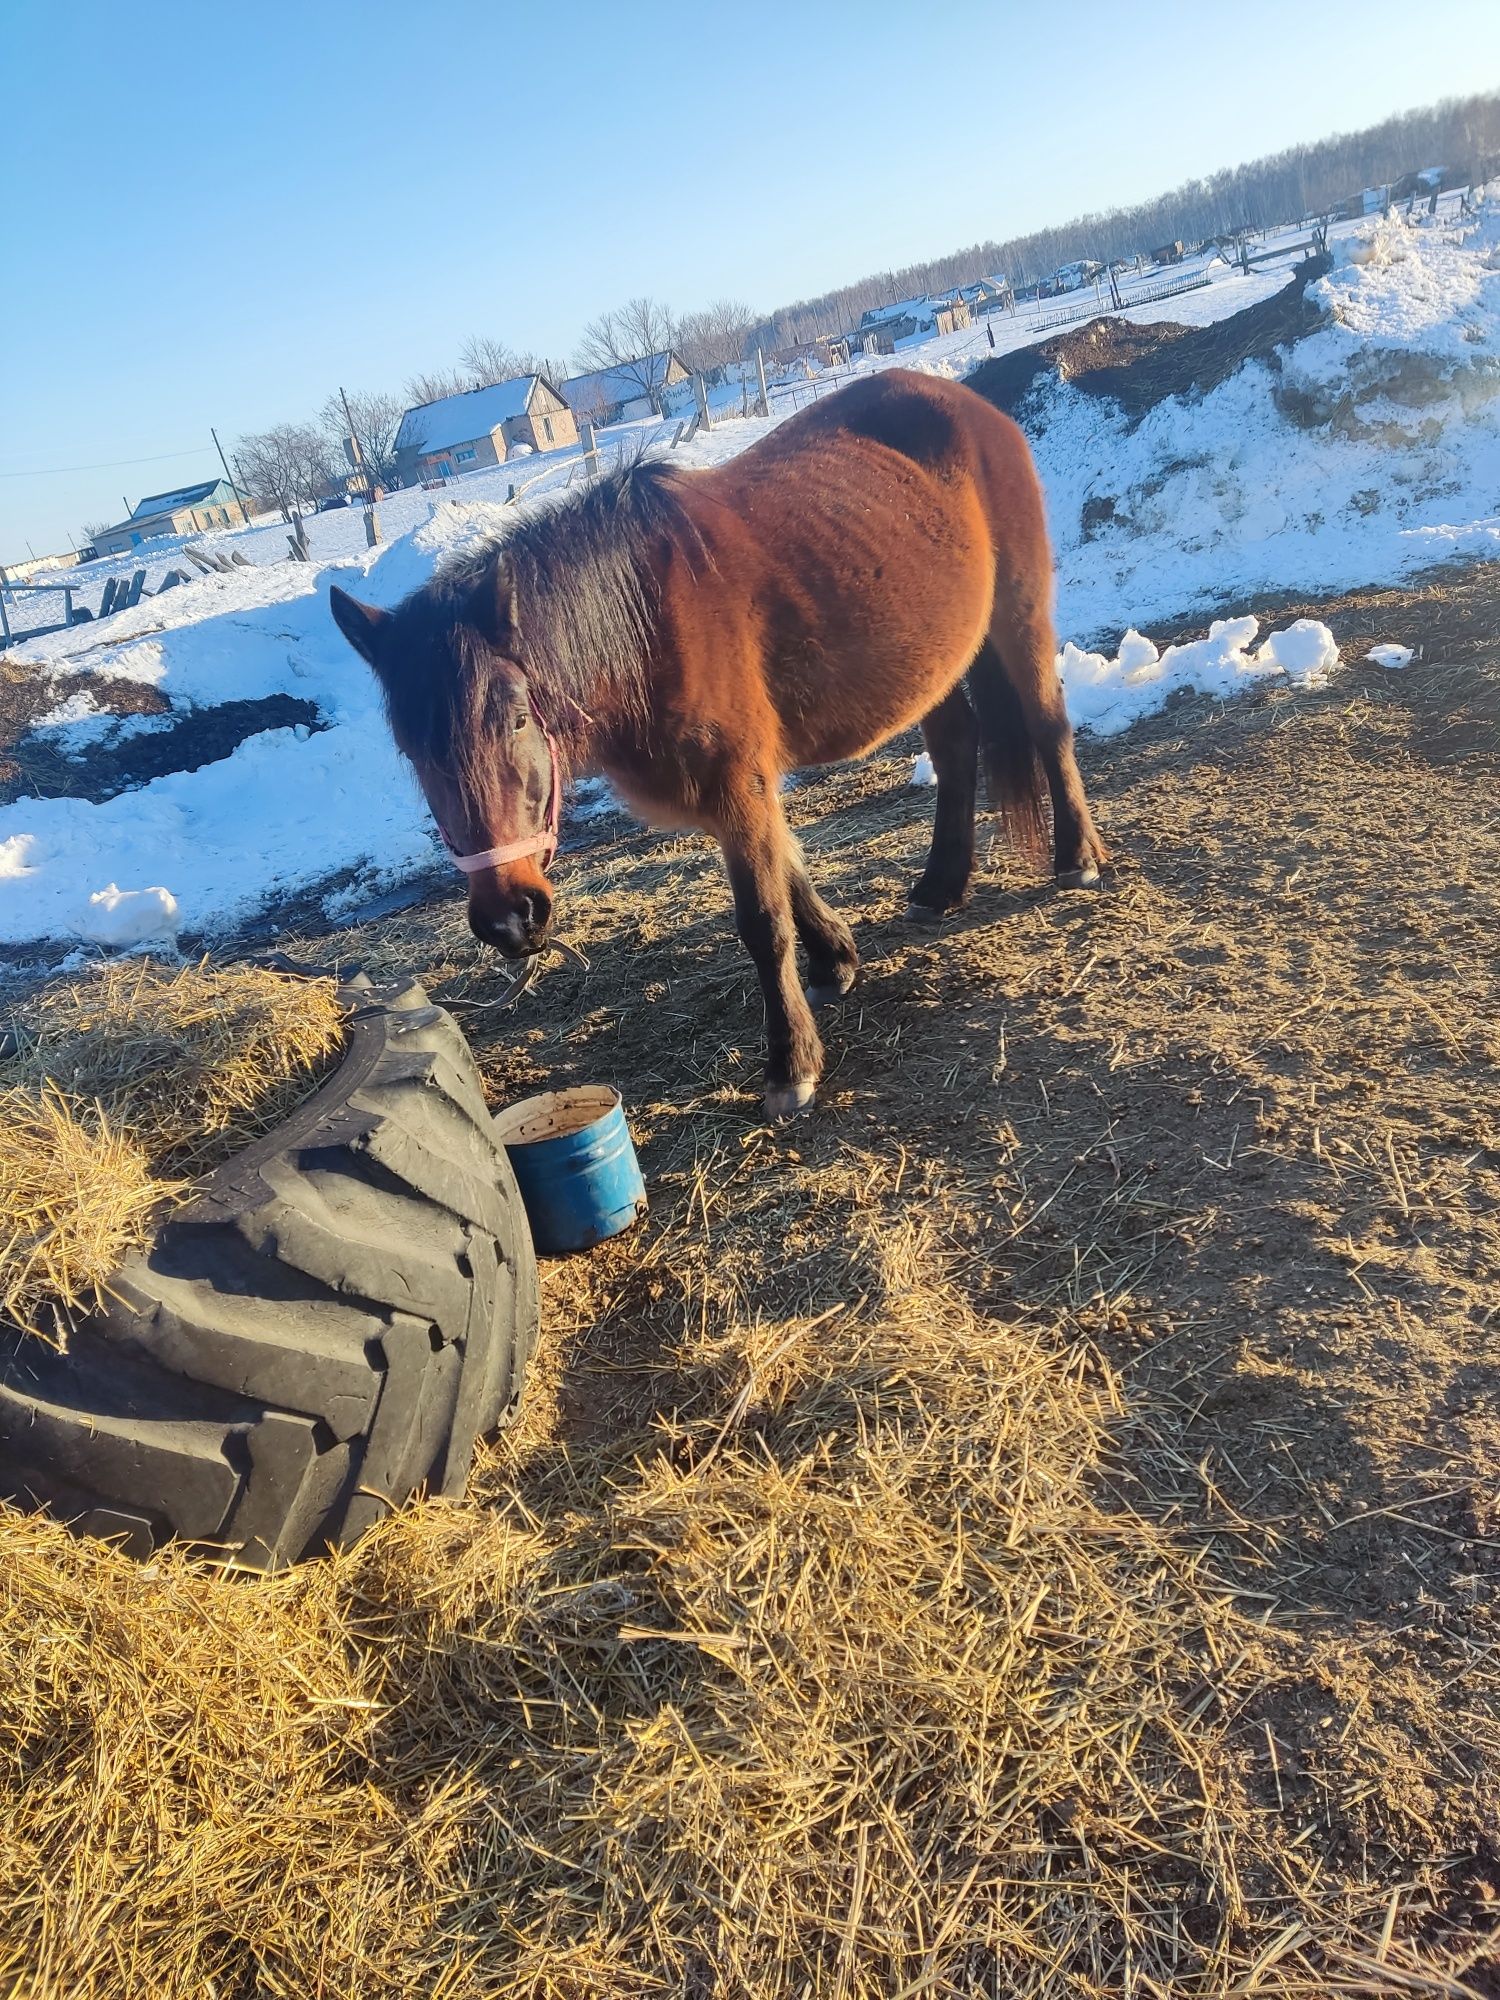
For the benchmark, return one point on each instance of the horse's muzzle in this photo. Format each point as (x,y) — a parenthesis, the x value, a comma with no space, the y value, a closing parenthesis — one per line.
(519,928)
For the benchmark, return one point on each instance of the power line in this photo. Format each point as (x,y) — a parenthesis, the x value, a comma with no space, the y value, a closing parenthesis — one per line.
(104,464)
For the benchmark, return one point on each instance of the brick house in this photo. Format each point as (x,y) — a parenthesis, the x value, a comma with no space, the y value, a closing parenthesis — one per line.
(481,427)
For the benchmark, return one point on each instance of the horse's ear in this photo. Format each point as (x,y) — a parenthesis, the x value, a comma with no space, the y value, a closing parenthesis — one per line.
(361,624)
(502,626)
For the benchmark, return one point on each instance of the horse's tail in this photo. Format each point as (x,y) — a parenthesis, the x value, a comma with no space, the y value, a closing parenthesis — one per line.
(1013,772)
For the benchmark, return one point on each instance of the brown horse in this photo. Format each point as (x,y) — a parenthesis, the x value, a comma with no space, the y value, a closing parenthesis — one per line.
(695,635)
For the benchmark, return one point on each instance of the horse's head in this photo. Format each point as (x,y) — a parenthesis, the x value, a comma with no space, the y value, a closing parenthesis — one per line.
(461,711)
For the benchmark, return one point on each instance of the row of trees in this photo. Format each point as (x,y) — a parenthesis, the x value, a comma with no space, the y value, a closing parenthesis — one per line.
(1462,134)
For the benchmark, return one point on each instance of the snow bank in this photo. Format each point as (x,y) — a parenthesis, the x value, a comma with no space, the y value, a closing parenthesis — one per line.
(1371,451)
(1107,695)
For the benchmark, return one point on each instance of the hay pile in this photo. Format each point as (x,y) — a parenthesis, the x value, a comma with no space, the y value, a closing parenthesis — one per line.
(859,1682)
(117,1088)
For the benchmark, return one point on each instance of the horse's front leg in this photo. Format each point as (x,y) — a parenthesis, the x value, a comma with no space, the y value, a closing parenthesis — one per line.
(757,853)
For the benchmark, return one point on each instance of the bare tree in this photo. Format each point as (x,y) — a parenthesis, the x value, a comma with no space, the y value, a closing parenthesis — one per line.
(89,531)
(553,368)
(289,465)
(630,342)
(712,340)
(486,359)
(435,384)
(377,418)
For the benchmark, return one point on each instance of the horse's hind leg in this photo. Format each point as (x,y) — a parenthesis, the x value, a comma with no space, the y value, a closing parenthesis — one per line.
(758,854)
(832,956)
(952,739)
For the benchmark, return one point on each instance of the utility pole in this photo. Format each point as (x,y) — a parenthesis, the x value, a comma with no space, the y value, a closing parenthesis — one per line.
(220,450)
(234,485)
(359,457)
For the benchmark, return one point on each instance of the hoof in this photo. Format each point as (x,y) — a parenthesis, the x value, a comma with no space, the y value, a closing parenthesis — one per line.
(789,1099)
(924,913)
(1086,877)
(829,994)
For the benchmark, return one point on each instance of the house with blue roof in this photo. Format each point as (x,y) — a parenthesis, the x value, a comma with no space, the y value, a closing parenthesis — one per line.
(185,510)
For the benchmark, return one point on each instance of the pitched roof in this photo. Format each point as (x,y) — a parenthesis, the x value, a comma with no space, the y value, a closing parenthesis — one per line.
(455,420)
(621,384)
(180,496)
(917,309)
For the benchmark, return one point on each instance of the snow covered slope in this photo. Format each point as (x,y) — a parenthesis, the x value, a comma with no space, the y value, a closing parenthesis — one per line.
(1372,451)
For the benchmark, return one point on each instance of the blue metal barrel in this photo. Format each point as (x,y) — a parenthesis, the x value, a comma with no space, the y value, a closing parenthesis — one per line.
(575,1165)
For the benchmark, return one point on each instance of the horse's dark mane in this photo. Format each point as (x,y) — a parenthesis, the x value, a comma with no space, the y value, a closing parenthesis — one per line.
(582,572)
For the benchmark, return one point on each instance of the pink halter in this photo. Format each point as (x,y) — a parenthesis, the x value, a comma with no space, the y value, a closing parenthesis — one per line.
(543,842)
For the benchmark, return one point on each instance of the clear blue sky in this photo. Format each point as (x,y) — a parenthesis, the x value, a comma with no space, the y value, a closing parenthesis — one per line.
(214,214)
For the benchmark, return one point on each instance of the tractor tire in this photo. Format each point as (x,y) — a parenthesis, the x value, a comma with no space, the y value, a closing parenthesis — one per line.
(329,1324)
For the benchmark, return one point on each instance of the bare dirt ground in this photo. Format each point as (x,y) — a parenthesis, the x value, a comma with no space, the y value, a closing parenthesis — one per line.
(1151,1238)
(1235,1119)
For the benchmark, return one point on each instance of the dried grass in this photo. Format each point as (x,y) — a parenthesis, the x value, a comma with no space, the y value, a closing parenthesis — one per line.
(860,1682)
(115,1090)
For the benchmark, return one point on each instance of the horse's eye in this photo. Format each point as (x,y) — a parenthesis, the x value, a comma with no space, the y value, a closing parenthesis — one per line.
(520,722)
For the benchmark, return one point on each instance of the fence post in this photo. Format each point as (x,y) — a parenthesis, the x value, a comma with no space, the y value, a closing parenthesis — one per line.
(700,391)
(590,448)
(760,376)
(372,528)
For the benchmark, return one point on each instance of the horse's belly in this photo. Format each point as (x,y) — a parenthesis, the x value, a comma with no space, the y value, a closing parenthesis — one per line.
(887,593)
(880,663)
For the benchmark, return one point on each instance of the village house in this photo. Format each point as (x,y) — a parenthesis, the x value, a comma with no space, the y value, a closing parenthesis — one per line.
(186,510)
(987,295)
(1073,277)
(631,389)
(825,350)
(481,427)
(884,329)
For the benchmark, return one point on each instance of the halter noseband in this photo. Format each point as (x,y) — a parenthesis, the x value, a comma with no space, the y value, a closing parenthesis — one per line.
(543,842)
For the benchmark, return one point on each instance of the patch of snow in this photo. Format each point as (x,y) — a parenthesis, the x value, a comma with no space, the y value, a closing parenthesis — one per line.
(590,799)
(1305,651)
(1108,694)
(15,856)
(922,772)
(77,708)
(127,919)
(1391,656)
